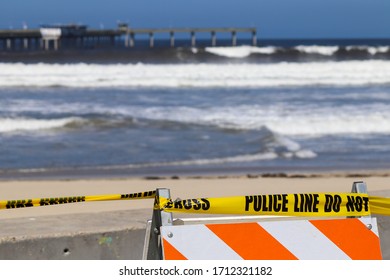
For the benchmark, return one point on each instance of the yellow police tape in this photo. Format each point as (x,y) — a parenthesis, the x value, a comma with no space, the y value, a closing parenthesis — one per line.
(308,204)
(379,205)
(8,204)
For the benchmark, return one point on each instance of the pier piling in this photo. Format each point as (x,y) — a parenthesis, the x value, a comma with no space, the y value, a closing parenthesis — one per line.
(193,39)
(151,39)
(9,44)
(213,39)
(25,43)
(127,39)
(234,38)
(172,41)
(254,38)
(132,41)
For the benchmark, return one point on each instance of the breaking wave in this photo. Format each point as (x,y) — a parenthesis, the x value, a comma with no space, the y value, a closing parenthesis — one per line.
(309,122)
(25,124)
(80,75)
(246,51)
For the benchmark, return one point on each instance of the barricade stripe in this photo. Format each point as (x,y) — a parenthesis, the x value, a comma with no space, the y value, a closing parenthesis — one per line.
(298,235)
(258,244)
(170,252)
(362,246)
(192,245)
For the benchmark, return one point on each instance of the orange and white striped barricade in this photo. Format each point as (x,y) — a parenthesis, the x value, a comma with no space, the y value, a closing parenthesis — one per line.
(265,238)
(341,239)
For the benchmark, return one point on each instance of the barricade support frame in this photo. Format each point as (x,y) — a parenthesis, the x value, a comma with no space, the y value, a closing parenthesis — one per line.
(152,245)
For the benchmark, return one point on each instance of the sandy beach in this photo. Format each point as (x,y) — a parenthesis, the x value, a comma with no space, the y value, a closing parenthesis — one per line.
(180,187)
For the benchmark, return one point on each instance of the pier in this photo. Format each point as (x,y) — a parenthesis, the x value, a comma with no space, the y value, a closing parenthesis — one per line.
(55,37)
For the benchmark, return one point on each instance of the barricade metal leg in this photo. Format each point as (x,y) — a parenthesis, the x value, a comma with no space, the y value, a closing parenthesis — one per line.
(359,187)
(152,245)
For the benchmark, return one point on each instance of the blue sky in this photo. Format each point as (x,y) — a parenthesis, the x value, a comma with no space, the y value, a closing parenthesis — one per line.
(272,18)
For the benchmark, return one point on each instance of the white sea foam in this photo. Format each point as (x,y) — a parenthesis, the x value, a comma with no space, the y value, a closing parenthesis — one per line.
(245,51)
(291,145)
(14,125)
(80,75)
(369,49)
(322,50)
(305,154)
(332,123)
(240,51)
(375,50)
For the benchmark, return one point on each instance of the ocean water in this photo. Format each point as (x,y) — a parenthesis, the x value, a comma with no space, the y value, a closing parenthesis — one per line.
(288,106)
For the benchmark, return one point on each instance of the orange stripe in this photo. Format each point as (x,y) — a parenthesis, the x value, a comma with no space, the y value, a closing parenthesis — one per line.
(171,253)
(352,237)
(251,241)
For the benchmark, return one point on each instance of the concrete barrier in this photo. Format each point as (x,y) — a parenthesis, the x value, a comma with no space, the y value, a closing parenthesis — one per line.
(109,235)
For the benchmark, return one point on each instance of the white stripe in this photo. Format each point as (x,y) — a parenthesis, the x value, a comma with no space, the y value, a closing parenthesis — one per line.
(197,242)
(369,221)
(304,240)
